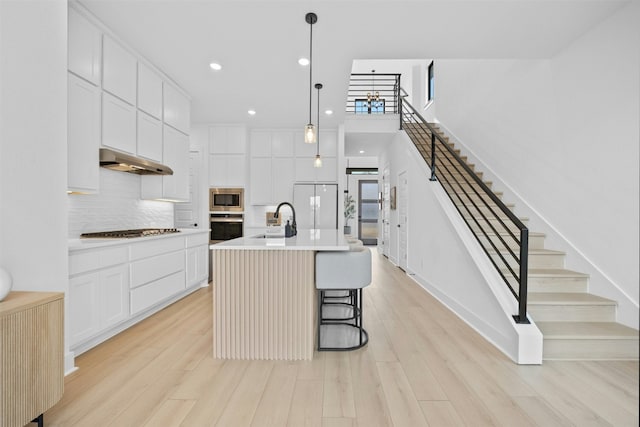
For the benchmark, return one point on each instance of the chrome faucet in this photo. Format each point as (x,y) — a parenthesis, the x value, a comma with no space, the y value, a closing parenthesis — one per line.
(294,226)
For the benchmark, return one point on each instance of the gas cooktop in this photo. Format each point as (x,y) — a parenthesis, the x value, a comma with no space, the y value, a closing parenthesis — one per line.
(126,234)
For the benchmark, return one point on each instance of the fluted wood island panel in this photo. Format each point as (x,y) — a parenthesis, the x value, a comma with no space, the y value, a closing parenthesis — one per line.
(264,304)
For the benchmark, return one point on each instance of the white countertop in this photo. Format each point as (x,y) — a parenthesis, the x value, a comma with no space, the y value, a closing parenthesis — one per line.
(309,240)
(79,244)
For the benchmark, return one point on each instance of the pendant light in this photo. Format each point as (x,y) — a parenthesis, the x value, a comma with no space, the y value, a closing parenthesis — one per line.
(317,163)
(310,130)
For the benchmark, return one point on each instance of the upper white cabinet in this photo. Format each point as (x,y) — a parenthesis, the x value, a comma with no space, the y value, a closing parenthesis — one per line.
(119,70)
(84,48)
(118,124)
(149,137)
(175,154)
(83,135)
(176,109)
(149,91)
(272,166)
(227,140)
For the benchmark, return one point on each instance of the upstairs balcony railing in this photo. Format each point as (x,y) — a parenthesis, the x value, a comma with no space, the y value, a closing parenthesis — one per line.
(374,93)
(501,234)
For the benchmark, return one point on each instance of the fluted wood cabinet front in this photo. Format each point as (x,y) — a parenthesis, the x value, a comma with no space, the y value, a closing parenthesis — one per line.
(264,304)
(31,355)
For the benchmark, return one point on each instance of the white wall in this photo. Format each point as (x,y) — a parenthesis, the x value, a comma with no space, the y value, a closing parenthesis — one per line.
(561,135)
(447,261)
(33,143)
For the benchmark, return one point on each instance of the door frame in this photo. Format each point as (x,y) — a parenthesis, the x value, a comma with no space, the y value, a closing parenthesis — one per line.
(360,182)
(402,202)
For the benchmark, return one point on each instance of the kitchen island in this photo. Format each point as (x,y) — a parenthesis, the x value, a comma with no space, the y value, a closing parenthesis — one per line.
(264,299)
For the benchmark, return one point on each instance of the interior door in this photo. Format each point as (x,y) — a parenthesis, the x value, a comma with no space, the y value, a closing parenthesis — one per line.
(187,214)
(402,220)
(368,211)
(386,211)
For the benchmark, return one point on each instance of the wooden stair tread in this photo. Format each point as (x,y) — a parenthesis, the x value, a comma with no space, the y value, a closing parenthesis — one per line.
(567,298)
(582,330)
(555,272)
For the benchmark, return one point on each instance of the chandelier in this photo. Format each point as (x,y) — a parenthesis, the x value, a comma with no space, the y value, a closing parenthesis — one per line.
(373,97)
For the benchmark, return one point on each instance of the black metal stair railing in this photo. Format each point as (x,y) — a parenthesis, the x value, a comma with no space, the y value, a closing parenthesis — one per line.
(373,93)
(502,235)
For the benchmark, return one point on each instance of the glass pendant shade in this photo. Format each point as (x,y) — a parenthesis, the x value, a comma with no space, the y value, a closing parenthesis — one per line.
(310,134)
(317,163)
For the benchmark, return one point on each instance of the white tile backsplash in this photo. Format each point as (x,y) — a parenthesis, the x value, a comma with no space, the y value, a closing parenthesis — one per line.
(117,206)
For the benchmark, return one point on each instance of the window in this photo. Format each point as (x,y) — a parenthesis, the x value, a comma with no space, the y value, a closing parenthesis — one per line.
(430,85)
(363,106)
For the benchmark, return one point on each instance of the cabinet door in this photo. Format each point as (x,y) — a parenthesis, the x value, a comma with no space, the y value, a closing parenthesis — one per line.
(176,109)
(119,71)
(149,137)
(149,91)
(84,40)
(197,265)
(175,154)
(227,140)
(328,143)
(83,137)
(305,172)
(261,182)
(236,169)
(84,319)
(114,295)
(260,144)
(118,124)
(217,170)
(282,144)
(283,178)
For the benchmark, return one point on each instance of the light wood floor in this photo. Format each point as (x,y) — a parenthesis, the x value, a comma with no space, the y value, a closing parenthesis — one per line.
(423,366)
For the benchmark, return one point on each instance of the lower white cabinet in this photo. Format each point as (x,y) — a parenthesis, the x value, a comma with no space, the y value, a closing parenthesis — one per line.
(97,301)
(113,286)
(197,261)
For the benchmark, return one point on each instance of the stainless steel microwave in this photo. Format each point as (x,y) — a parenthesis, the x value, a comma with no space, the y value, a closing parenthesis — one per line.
(226,199)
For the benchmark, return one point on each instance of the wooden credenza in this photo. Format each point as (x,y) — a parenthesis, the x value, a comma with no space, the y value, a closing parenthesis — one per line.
(31,355)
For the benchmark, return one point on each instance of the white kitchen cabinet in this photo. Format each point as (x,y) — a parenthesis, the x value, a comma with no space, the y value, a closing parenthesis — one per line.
(261,181)
(83,135)
(175,154)
(176,109)
(283,177)
(328,145)
(119,70)
(149,137)
(260,143)
(282,143)
(118,124)
(97,301)
(227,140)
(197,262)
(85,47)
(227,170)
(149,91)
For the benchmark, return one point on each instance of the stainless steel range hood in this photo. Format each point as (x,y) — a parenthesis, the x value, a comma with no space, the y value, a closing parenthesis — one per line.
(118,161)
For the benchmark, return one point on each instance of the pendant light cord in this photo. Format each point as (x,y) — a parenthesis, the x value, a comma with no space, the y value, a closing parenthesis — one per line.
(310,67)
(319,86)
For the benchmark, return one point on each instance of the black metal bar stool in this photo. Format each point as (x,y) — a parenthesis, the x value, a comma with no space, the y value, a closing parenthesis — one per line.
(340,322)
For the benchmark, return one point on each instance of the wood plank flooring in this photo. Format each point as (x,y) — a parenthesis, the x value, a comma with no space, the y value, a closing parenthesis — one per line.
(422,367)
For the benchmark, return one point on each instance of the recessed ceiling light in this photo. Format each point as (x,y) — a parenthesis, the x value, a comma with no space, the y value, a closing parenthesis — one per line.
(361,151)
(252,112)
(328,112)
(303,61)
(215,66)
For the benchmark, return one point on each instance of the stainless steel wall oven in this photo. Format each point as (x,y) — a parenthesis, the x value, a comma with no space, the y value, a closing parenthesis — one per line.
(226,226)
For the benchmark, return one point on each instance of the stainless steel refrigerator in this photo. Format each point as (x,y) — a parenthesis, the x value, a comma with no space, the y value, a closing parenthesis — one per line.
(316,206)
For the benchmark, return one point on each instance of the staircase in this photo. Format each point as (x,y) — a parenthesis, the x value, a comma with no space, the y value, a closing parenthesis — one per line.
(575,324)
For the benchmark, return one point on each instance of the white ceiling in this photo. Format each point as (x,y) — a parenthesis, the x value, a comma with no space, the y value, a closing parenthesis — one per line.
(259,43)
